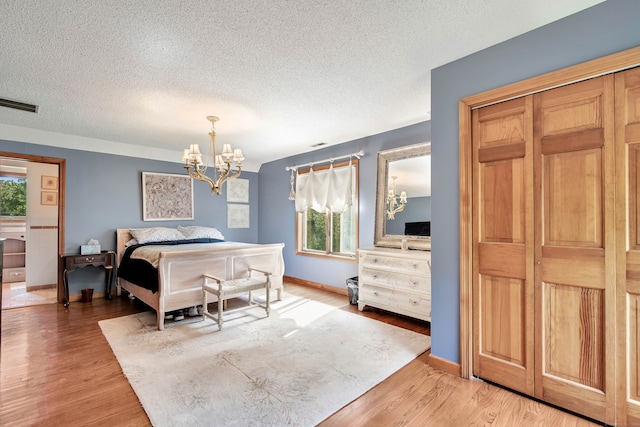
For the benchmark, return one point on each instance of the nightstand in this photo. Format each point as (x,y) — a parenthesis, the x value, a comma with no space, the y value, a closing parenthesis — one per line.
(105,259)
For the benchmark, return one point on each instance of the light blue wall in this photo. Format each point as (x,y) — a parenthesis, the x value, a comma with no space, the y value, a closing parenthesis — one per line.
(104,192)
(598,31)
(417,209)
(277,214)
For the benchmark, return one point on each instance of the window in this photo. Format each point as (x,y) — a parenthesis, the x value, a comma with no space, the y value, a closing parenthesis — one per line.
(326,233)
(13,196)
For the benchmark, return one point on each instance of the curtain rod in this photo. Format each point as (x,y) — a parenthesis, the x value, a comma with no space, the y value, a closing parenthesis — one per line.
(330,159)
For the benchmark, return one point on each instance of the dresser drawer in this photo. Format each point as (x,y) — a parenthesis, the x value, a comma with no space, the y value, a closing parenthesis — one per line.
(420,284)
(10,275)
(79,261)
(403,265)
(414,303)
(392,280)
(376,296)
(375,277)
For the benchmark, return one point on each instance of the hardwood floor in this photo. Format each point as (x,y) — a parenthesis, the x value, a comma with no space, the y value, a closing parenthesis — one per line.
(15,295)
(57,369)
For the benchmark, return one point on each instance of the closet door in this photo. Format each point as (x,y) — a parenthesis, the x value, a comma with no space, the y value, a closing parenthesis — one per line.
(503,244)
(575,247)
(628,244)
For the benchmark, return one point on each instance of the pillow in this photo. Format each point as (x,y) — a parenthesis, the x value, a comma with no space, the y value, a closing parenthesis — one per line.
(197,232)
(131,243)
(155,234)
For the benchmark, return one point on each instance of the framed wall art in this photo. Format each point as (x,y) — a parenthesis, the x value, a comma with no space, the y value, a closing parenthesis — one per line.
(49,198)
(238,190)
(237,216)
(49,182)
(166,197)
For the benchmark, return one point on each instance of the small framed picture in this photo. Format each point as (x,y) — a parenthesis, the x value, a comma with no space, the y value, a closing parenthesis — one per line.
(49,198)
(49,182)
(238,216)
(238,190)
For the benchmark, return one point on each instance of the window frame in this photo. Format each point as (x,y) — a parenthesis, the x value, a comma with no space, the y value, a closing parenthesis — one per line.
(301,220)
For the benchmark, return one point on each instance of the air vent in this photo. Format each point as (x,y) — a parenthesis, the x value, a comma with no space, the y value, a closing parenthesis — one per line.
(17,105)
(319,144)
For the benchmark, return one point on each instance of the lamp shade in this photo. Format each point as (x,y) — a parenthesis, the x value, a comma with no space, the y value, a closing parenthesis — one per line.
(237,155)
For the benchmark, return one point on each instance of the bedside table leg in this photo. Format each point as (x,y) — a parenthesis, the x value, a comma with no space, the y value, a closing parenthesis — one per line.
(65,281)
(109,274)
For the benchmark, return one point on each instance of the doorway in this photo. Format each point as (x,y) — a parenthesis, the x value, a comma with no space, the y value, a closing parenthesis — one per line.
(31,224)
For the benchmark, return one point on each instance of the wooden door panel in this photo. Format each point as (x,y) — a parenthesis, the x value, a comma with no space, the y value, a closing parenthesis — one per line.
(503,236)
(568,116)
(573,199)
(504,124)
(502,319)
(570,109)
(583,140)
(634,347)
(502,199)
(628,246)
(502,260)
(574,353)
(634,200)
(574,244)
(582,267)
(566,395)
(502,342)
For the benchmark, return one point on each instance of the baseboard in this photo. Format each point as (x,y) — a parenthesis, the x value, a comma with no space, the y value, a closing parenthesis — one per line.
(444,365)
(314,285)
(41,287)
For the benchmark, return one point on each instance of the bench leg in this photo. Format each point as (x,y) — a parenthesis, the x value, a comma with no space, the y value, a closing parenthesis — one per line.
(267,288)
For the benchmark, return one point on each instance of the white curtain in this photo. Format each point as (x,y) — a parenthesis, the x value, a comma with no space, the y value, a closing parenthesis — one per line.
(330,189)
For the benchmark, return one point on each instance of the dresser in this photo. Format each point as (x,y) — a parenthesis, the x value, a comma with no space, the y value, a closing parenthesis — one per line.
(395,280)
(14,269)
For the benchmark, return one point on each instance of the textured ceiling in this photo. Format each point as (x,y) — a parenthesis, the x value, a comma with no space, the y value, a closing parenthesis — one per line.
(282,75)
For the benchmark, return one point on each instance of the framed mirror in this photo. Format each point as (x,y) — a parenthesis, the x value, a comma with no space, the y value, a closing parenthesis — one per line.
(403,197)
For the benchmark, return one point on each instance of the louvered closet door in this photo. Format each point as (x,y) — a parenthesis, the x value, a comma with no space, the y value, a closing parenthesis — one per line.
(503,244)
(575,245)
(628,244)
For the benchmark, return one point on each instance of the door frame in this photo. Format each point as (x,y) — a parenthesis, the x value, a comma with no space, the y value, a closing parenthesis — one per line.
(606,65)
(62,175)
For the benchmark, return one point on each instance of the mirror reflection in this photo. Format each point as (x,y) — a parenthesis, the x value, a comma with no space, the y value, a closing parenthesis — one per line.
(403,207)
(409,196)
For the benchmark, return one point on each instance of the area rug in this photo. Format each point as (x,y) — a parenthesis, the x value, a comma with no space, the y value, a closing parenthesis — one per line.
(295,368)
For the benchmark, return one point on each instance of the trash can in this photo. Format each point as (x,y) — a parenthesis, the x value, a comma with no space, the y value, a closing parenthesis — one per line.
(87,295)
(352,290)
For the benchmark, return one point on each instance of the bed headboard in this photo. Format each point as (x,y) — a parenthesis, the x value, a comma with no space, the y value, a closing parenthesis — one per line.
(122,236)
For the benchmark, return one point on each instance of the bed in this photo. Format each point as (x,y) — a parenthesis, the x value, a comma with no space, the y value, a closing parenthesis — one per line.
(180,269)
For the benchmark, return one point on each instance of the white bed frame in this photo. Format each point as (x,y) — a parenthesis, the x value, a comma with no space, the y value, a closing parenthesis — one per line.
(180,273)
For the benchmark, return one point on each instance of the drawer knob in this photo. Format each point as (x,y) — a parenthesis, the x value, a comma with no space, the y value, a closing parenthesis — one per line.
(414,302)
(87,259)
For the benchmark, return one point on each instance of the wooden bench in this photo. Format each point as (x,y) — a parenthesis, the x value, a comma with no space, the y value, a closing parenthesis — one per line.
(225,289)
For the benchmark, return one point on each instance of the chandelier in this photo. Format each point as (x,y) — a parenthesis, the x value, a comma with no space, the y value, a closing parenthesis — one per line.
(395,204)
(222,170)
